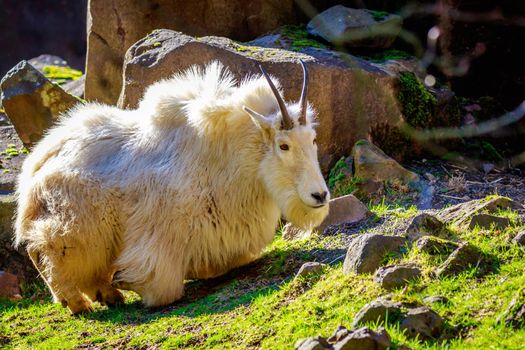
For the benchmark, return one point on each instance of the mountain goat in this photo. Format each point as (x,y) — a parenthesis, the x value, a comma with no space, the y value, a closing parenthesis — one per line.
(189,185)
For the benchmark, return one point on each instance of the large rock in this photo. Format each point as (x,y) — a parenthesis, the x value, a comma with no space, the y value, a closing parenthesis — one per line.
(352,95)
(435,245)
(113,28)
(396,276)
(356,27)
(32,102)
(371,163)
(366,252)
(487,221)
(14,261)
(364,339)
(422,323)
(379,310)
(425,224)
(460,215)
(464,257)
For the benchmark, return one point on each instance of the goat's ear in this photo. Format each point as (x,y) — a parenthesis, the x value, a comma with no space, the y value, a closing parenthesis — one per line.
(258,119)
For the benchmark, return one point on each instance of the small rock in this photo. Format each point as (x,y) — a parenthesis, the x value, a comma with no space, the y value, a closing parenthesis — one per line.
(75,87)
(514,315)
(32,102)
(356,27)
(339,333)
(291,232)
(379,311)
(436,299)
(431,178)
(391,277)
(309,268)
(368,188)
(487,221)
(425,224)
(372,163)
(366,252)
(364,339)
(435,245)
(463,257)
(460,215)
(313,343)
(422,323)
(9,286)
(519,239)
(345,209)
(47,60)
(487,167)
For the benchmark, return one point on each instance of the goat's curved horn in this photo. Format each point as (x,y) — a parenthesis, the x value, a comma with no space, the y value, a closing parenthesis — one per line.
(287,121)
(304,92)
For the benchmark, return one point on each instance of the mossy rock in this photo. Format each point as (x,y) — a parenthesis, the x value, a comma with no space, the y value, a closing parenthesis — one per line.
(418,105)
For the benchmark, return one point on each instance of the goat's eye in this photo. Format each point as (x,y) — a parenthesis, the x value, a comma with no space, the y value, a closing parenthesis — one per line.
(284,147)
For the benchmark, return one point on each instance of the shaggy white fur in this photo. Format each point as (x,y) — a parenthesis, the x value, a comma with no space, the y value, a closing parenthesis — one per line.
(186,186)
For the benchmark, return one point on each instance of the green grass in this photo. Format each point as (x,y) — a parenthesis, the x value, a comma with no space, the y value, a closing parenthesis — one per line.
(263,306)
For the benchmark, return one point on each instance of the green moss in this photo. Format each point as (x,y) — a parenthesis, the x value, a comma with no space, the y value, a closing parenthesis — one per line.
(299,38)
(378,15)
(417,104)
(156,44)
(388,55)
(61,75)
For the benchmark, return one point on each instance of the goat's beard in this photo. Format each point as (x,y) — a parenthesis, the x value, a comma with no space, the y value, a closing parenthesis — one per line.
(300,214)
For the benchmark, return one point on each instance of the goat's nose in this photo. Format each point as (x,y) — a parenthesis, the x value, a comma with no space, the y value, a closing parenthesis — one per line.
(320,197)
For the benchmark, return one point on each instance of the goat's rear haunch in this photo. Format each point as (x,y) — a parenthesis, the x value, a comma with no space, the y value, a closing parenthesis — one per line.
(189,185)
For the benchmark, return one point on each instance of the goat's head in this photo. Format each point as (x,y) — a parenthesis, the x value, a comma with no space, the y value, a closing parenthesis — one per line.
(290,168)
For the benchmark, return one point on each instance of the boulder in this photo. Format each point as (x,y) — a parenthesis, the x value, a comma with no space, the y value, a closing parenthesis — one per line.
(436,299)
(422,323)
(435,246)
(425,224)
(345,209)
(113,28)
(396,276)
(11,158)
(58,71)
(487,221)
(366,252)
(379,310)
(357,28)
(14,261)
(364,339)
(9,286)
(370,162)
(363,96)
(313,343)
(461,214)
(310,268)
(32,102)
(465,256)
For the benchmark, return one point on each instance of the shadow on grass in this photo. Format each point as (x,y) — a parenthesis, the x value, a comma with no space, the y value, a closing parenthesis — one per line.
(240,286)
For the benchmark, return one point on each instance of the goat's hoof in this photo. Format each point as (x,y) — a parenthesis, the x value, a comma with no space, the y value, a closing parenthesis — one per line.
(79,307)
(110,297)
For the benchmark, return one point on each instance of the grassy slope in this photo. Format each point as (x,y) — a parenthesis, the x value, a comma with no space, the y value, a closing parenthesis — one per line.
(261,306)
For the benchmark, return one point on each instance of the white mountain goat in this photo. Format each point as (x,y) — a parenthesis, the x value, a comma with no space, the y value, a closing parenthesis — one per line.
(189,185)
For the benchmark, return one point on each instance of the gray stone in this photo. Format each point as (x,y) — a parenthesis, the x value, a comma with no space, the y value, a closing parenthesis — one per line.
(364,339)
(370,88)
(422,323)
(343,210)
(313,343)
(339,333)
(372,163)
(435,245)
(487,221)
(436,299)
(379,310)
(310,268)
(32,102)
(425,224)
(465,256)
(396,276)
(460,215)
(366,252)
(356,27)
(519,239)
